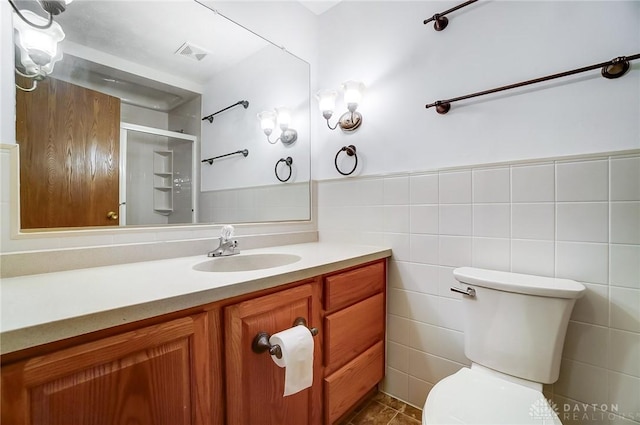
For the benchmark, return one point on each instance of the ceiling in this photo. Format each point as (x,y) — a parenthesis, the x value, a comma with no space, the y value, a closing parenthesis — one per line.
(319,6)
(150,32)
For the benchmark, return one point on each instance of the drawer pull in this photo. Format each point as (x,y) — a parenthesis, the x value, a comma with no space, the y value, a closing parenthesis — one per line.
(261,343)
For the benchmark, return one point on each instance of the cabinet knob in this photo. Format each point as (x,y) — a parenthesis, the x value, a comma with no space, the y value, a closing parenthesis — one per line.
(111,215)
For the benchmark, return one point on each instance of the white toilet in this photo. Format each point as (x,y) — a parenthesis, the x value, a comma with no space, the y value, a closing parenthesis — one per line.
(515,326)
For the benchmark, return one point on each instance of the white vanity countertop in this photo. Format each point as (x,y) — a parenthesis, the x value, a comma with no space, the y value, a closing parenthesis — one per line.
(43,308)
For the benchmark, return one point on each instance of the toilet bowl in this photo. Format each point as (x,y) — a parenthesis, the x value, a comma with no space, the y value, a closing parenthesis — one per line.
(514,329)
(470,396)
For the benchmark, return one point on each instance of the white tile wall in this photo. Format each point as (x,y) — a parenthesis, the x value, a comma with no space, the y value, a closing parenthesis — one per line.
(577,219)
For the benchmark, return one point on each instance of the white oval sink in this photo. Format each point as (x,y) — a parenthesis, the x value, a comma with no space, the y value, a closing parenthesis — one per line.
(245,263)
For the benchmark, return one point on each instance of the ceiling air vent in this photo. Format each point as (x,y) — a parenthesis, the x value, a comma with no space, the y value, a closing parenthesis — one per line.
(192,51)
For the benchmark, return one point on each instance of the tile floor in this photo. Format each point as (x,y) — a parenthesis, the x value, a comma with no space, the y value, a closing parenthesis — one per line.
(382,409)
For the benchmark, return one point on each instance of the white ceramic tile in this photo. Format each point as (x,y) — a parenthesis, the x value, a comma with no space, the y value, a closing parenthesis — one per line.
(399,329)
(424,337)
(455,187)
(413,277)
(423,189)
(593,307)
(491,185)
(455,251)
(423,278)
(625,222)
(5,180)
(422,307)
(396,218)
(586,343)
(624,392)
(424,219)
(587,262)
(424,249)
(582,181)
(624,352)
(418,392)
(580,381)
(625,265)
(398,356)
(397,273)
(396,383)
(492,220)
(430,368)
(582,221)
(370,191)
(533,221)
(398,303)
(625,179)
(399,244)
(533,257)
(446,281)
(491,253)
(625,308)
(455,220)
(372,218)
(533,183)
(396,190)
(334,193)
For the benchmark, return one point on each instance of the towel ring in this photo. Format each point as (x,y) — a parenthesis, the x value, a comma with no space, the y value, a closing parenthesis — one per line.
(261,342)
(351,151)
(287,162)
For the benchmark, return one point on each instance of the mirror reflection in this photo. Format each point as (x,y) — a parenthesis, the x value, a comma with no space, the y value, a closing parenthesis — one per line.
(150,118)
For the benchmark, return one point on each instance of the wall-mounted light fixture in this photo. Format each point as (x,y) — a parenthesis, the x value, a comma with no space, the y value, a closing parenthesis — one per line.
(37,39)
(283,117)
(351,120)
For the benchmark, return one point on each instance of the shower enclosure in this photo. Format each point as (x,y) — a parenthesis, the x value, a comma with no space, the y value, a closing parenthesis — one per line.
(157,169)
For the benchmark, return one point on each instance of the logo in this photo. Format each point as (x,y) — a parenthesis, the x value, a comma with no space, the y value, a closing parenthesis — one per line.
(543,409)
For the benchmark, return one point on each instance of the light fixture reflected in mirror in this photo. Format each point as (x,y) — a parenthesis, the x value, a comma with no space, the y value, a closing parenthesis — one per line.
(37,39)
(283,117)
(353,91)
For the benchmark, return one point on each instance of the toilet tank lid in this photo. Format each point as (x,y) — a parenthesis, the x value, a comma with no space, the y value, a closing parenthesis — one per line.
(520,283)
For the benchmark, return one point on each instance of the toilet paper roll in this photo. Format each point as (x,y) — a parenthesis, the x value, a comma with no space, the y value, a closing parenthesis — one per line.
(297,358)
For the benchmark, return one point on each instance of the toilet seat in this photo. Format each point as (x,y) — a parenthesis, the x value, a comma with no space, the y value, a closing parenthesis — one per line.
(475,397)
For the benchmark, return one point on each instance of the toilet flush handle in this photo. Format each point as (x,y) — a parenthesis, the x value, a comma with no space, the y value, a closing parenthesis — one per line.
(469,292)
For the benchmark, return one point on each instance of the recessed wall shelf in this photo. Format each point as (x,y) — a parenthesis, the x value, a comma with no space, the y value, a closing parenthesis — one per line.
(163,182)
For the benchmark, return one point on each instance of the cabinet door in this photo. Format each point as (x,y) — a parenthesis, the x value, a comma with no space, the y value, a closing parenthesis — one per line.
(155,375)
(255,384)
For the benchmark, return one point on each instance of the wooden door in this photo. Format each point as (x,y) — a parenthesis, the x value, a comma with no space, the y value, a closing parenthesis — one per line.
(157,376)
(255,384)
(69,141)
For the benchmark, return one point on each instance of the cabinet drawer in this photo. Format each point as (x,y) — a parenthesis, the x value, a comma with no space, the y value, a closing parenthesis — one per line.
(343,289)
(347,385)
(350,331)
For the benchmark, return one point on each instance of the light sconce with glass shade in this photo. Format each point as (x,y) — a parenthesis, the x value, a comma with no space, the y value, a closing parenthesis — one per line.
(282,116)
(36,39)
(351,120)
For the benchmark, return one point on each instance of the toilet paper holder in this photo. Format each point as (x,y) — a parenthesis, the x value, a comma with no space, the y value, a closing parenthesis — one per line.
(261,343)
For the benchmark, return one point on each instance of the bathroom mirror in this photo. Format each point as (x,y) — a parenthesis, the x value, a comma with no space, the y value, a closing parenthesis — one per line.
(115,135)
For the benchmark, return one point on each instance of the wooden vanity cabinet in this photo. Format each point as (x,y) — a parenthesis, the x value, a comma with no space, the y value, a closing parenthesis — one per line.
(153,375)
(200,368)
(255,384)
(354,332)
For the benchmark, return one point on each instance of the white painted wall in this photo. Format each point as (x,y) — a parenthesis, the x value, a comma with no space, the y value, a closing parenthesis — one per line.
(7,88)
(267,79)
(406,65)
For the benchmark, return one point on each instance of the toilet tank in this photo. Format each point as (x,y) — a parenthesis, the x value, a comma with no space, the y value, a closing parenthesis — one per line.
(516,323)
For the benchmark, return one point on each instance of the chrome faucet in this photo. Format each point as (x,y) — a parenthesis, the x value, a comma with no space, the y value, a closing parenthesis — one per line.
(226,245)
